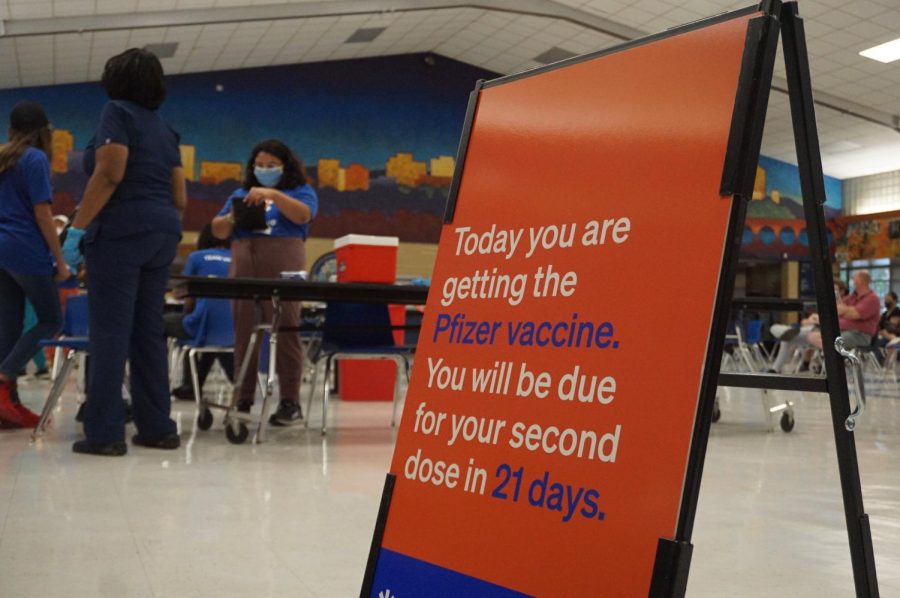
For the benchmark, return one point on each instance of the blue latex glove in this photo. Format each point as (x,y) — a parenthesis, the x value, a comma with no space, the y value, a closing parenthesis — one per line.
(71,249)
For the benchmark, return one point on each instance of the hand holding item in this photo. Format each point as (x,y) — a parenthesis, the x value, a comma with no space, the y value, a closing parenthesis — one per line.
(72,247)
(257,196)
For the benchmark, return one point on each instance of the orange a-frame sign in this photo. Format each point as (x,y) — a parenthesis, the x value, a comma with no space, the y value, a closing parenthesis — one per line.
(548,425)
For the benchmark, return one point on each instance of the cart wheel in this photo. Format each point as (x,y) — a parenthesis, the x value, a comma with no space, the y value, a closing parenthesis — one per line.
(717,413)
(787,422)
(205,419)
(239,436)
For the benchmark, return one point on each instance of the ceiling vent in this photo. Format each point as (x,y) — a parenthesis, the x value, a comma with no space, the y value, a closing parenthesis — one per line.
(364,35)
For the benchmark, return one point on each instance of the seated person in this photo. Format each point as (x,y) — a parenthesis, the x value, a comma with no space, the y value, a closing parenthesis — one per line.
(887,329)
(858,314)
(212,258)
(792,338)
(890,334)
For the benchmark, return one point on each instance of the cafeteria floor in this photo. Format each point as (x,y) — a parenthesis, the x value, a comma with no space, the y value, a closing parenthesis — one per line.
(294,517)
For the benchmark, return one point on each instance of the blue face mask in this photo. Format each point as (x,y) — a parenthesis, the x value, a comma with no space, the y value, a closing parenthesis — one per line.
(268,177)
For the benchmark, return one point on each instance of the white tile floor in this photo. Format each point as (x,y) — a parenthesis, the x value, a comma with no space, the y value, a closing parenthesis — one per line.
(294,517)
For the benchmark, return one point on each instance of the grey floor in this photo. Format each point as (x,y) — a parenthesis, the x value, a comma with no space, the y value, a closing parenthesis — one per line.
(293,517)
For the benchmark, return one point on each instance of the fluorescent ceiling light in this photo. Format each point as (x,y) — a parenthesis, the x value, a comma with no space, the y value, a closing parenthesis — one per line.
(886,52)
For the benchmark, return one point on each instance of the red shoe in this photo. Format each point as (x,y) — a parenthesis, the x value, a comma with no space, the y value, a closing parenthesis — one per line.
(29,417)
(9,414)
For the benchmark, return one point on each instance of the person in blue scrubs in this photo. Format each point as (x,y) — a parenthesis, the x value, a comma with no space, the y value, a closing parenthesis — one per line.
(128,226)
(275,242)
(31,261)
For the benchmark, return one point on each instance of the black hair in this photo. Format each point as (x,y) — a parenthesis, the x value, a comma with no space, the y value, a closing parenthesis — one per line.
(207,240)
(293,175)
(135,75)
(893,295)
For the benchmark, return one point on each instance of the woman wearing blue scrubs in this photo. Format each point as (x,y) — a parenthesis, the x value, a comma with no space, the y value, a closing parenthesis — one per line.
(28,248)
(128,226)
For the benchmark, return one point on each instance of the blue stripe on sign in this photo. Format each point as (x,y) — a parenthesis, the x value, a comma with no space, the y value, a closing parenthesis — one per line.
(400,576)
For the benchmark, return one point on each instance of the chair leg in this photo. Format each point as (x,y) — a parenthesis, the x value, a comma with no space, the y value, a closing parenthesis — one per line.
(270,386)
(313,384)
(55,393)
(81,382)
(195,378)
(58,357)
(325,391)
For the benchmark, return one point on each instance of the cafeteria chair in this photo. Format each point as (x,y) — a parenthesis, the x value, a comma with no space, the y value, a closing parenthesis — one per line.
(215,334)
(324,267)
(356,331)
(72,344)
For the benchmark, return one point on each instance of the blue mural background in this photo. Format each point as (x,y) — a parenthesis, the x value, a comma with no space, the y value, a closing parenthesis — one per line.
(357,111)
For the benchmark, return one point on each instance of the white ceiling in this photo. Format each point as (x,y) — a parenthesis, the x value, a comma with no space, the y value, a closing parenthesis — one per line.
(504,42)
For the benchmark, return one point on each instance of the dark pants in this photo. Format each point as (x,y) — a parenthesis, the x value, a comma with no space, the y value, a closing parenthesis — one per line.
(175,329)
(17,349)
(127,281)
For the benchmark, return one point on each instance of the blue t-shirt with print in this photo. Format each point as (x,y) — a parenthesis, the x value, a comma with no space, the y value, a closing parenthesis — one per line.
(23,249)
(278,224)
(208,262)
(204,262)
(142,202)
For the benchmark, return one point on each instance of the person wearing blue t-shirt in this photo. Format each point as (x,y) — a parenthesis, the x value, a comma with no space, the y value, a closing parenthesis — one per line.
(31,260)
(268,220)
(128,226)
(212,258)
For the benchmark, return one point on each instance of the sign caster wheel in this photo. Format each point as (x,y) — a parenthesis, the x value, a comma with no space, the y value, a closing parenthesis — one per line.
(787,422)
(237,436)
(205,419)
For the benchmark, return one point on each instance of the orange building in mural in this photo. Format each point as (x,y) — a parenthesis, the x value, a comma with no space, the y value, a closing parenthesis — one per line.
(189,161)
(405,170)
(443,166)
(63,143)
(212,173)
(759,185)
(328,173)
(356,178)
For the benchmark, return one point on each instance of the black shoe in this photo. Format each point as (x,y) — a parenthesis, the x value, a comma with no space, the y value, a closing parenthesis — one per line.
(184,393)
(42,374)
(288,414)
(113,449)
(244,406)
(169,442)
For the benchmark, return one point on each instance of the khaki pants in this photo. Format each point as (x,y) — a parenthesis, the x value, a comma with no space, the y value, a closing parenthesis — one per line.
(268,257)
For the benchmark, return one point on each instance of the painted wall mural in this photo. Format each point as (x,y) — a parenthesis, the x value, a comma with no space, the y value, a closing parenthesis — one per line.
(378,136)
(776,226)
(868,237)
